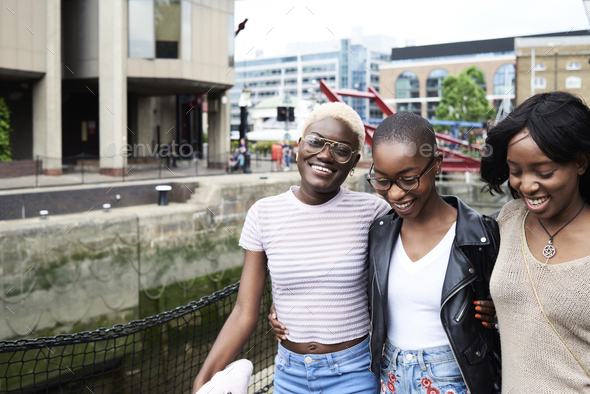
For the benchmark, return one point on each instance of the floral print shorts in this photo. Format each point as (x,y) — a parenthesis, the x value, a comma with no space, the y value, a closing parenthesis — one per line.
(426,371)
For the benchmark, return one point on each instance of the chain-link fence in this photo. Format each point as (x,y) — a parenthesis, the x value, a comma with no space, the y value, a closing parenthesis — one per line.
(158,354)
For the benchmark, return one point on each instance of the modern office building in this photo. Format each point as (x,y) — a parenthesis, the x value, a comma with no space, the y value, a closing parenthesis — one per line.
(351,63)
(412,81)
(90,76)
(560,63)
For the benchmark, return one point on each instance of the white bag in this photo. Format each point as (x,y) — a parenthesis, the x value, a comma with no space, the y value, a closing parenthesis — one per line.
(234,379)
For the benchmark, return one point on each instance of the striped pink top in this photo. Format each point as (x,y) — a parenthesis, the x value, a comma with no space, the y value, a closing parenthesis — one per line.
(317,261)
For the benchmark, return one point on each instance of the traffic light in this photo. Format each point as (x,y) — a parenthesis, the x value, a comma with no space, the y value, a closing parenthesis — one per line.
(284,112)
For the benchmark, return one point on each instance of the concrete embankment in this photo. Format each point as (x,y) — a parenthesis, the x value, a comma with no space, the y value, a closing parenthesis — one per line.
(75,272)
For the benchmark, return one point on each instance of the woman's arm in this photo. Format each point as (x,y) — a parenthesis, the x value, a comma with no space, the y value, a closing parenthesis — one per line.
(242,321)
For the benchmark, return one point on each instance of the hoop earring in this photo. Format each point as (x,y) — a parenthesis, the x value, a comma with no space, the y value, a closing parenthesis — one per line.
(352,171)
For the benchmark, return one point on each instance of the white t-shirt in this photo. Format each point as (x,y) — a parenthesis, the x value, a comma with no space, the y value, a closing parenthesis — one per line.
(414,296)
(317,261)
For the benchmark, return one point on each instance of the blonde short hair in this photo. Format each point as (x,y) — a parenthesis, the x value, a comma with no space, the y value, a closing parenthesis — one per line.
(342,113)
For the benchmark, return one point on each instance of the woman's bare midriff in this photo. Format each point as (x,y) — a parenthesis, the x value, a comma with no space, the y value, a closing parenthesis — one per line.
(319,348)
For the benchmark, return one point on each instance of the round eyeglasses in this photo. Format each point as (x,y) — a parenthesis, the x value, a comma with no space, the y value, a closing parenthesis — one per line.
(406,183)
(313,145)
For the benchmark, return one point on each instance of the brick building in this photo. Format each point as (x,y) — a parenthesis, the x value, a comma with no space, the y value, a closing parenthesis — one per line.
(560,63)
(413,79)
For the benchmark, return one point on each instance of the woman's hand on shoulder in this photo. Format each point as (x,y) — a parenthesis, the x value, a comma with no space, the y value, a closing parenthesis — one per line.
(279,329)
(486,312)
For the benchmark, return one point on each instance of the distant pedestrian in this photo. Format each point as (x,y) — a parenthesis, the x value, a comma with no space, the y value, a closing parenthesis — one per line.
(287,154)
(242,148)
(277,153)
(171,154)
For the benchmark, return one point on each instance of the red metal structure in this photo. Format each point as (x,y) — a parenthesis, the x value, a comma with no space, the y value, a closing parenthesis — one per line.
(455,161)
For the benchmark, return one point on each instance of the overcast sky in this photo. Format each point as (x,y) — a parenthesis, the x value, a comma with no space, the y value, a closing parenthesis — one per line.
(272,23)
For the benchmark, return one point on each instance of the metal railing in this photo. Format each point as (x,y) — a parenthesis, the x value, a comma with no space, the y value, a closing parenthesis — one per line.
(84,169)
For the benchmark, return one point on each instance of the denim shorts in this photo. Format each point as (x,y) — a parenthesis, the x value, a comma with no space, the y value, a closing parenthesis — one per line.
(427,371)
(342,372)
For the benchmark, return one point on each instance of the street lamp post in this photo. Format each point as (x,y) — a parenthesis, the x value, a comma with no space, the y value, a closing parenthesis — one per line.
(244,103)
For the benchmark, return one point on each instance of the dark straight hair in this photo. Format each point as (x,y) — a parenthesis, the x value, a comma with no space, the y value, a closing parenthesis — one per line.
(558,122)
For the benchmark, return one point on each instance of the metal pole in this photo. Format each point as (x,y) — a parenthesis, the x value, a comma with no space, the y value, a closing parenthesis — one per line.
(82,168)
(243,130)
(555,84)
(533,72)
(37,171)
(138,270)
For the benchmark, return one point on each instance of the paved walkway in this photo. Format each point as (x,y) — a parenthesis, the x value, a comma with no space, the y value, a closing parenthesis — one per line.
(149,210)
(184,169)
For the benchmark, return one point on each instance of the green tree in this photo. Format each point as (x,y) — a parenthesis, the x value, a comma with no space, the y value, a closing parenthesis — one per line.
(5,151)
(463,99)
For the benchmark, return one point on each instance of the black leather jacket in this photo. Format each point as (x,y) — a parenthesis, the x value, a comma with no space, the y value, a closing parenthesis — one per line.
(473,254)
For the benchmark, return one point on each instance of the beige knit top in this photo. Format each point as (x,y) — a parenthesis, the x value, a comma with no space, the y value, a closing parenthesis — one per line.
(534,360)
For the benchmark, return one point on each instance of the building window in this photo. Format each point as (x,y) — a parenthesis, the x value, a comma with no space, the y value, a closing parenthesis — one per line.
(431,109)
(415,108)
(167,29)
(481,82)
(573,83)
(434,82)
(186,32)
(160,29)
(407,85)
(504,80)
(573,66)
(540,83)
(540,67)
(141,28)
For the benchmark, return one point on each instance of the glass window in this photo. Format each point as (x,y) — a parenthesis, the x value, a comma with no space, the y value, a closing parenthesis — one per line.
(434,82)
(431,109)
(573,66)
(141,28)
(573,83)
(323,67)
(186,31)
(407,85)
(230,40)
(416,108)
(540,67)
(319,56)
(540,83)
(167,17)
(504,80)
(481,82)
(263,62)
